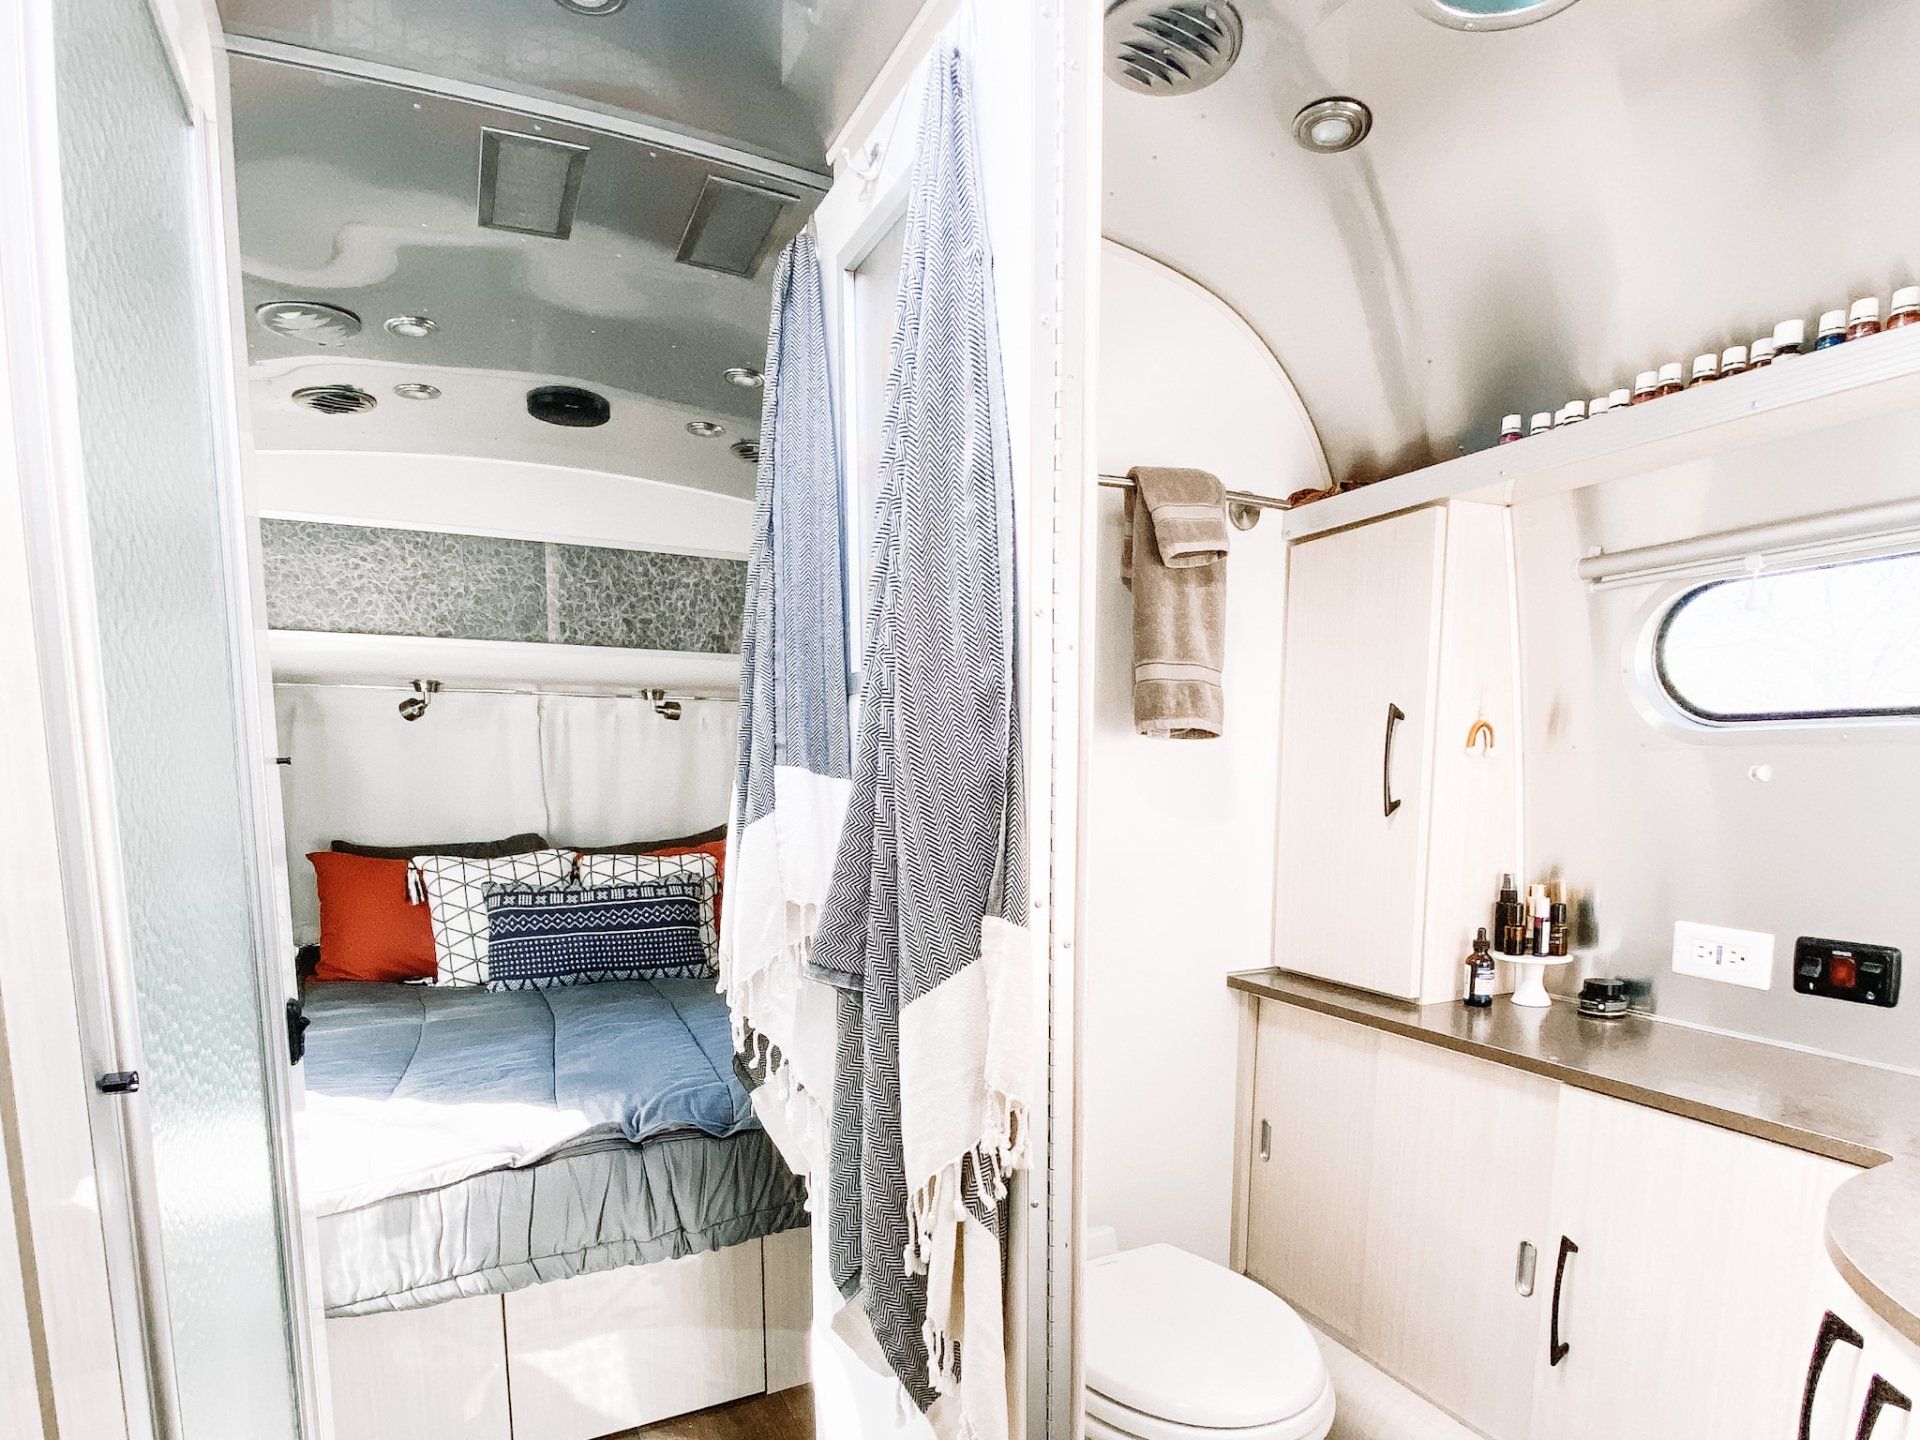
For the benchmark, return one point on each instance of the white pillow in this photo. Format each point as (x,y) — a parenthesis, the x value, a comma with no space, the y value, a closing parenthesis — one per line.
(457,899)
(597,870)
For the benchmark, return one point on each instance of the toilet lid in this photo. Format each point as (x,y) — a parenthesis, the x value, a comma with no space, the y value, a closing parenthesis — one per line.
(1180,1338)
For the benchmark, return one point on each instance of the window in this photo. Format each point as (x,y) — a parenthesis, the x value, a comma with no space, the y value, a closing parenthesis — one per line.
(1832,643)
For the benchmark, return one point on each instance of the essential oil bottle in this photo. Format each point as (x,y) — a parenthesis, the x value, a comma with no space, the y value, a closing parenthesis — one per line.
(1790,338)
(1598,406)
(1646,386)
(1833,330)
(1733,360)
(1762,352)
(1619,399)
(1906,308)
(1671,378)
(1542,422)
(1864,318)
(1706,369)
(1573,412)
(1480,973)
(1510,430)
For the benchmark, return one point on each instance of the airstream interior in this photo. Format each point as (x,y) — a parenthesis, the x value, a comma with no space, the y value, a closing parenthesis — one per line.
(1145,719)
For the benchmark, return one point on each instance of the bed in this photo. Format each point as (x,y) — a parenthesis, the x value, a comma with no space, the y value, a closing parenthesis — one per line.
(463,1142)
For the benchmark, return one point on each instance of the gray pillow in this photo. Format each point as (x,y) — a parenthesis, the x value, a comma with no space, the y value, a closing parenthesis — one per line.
(461,849)
(647,847)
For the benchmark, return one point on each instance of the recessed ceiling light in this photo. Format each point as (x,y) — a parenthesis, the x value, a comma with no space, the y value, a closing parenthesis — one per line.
(1329,126)
(1489,14)
(745,376)
(705,429)
(592,7)
(411,327)
(309,320)
(414,390)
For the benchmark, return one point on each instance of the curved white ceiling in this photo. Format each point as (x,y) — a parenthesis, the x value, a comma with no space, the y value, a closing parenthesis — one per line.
(1538,213)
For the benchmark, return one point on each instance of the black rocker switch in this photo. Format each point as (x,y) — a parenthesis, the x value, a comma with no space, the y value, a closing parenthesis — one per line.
(1843,970)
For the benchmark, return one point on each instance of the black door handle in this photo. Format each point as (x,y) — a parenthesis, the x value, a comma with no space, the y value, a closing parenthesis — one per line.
(1394,716)
(1881,1395)
(1556,1347)
(1833,1331)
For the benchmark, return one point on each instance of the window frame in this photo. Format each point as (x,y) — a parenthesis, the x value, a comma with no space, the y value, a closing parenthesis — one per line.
(1655,684)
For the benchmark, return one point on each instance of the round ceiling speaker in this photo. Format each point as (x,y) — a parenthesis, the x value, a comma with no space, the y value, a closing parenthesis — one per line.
(568,405)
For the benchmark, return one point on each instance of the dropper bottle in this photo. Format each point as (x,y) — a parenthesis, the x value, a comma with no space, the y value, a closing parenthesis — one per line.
(1864,319)
(1833,330)
(1906,308)
(1646,386)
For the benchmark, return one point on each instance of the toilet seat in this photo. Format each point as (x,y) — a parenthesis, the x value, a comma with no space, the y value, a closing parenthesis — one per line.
(1107,1420)
(1179,1348)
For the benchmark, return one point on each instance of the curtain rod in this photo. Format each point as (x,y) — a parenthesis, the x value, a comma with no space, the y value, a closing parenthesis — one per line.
(1832,532)
(641,692)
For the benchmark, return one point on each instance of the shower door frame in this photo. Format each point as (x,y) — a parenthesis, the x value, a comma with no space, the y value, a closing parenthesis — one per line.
(74,838)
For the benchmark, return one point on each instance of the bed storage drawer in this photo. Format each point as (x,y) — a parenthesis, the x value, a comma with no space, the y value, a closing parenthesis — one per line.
(602,1353)
(438,1373)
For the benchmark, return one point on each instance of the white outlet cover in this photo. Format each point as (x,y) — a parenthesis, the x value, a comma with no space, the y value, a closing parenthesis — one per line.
(1718,952)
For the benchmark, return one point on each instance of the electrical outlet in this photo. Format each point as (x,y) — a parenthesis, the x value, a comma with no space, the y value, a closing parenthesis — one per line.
(1714,952)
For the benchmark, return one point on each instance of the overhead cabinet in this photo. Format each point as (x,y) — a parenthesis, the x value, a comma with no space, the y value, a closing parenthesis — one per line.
(1539,1260)
(1399,762)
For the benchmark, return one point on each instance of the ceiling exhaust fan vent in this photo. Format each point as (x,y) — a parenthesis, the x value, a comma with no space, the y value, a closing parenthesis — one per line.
(335,399)
(1156,48)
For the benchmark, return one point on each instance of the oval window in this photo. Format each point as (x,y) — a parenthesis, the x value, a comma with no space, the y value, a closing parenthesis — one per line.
(1838,642)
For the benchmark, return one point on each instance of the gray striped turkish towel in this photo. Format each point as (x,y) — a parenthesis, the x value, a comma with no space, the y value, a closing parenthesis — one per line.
(790,790)
(922,928)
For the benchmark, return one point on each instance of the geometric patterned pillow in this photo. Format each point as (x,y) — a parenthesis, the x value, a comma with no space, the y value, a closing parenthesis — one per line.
(457,897)
(587,934)
(599,870)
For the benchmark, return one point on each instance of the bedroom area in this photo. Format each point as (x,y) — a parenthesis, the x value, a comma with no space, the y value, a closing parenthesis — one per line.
(502,576)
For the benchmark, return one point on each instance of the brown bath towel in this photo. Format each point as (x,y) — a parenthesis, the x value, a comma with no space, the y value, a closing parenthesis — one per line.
(1174,558)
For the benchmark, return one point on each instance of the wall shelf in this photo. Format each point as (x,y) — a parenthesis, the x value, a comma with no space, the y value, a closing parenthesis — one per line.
(1810,392)
(325,658)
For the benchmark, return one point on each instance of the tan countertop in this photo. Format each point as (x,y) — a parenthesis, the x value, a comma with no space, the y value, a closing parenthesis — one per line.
(1861,1114)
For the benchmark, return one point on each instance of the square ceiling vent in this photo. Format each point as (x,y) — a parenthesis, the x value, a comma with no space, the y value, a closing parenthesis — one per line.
(731,224)
(528,183)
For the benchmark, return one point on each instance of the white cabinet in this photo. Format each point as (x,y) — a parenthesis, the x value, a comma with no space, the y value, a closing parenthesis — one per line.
(1846,1351)
(1690,1251)
(1398,1182)
(1396,821)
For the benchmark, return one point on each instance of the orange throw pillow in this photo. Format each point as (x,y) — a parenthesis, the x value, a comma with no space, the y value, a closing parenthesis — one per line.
(369,928)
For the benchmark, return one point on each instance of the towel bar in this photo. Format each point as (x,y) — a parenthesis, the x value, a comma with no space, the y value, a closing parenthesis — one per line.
(1243,508)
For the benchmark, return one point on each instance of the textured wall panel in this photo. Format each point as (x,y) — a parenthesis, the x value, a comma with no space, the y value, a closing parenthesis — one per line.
(363,580)
(159,567)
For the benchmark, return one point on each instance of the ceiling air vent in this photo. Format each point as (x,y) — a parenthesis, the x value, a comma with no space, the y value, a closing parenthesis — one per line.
(529,184)
(730,226)
(335,399)
(1171,49)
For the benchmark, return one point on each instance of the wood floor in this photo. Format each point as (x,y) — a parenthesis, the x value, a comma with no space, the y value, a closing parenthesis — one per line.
(787,1415)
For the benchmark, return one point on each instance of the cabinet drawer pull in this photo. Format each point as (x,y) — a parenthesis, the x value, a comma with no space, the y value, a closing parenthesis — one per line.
(1524,1265)
(1394,716)
(1833,1331)
(1556,1347)
(1881,1395)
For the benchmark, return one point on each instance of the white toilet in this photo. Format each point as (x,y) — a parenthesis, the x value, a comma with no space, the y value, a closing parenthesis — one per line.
(1179,1348)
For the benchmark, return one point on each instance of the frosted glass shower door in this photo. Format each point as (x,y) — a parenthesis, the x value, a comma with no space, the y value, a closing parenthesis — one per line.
(139,582)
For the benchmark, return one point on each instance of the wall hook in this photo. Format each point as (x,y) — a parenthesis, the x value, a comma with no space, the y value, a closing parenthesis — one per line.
(1480,727)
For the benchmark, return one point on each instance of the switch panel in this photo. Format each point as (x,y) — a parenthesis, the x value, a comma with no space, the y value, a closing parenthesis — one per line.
(1714,952)
(1843,970)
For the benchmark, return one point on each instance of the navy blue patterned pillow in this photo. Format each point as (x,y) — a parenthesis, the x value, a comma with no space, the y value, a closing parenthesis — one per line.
(543,938)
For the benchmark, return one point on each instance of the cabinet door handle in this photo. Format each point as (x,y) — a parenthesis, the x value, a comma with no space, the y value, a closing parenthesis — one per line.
(1523,1268)
(1266,1140)
(1881,1395)
(1556,1347)
(1394,716)
(1833,1331)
